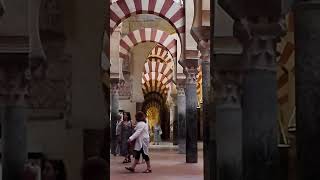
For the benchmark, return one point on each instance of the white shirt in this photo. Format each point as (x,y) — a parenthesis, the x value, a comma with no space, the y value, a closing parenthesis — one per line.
(141,135)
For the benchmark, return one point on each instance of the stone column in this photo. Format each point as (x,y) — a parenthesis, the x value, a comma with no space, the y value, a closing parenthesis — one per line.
(228,116)
(114,113)
(191,109)
(259,38)
(307,38)
(181,105)
(175,125)
(13,91)
(202,36)
(204,47)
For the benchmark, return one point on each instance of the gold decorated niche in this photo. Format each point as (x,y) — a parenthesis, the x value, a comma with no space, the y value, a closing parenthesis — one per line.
(153,115)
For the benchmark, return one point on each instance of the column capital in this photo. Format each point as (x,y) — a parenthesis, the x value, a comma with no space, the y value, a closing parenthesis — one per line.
(191,74)
(246,29)
(259,37)
(180,90)
(191,71)
(15,79)
(227,87)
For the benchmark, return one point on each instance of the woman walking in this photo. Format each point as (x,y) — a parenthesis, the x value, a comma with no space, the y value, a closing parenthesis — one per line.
(125,133)
(141,144)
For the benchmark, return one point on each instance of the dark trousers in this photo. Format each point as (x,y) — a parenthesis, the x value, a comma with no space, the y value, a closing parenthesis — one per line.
(144,156)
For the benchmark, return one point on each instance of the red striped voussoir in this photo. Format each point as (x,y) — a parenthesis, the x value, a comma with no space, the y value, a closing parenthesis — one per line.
(170,10)
(147,35)
(156,76)
(153,66)
(162,53)
(155,86)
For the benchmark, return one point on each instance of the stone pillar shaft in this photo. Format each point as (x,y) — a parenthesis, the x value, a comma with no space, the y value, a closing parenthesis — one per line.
(114,115)
(14,141)
(204,47)
(175,125)
(191,118)
(13,115)
(260,125)
(307,70)
(181,105)
(228,115)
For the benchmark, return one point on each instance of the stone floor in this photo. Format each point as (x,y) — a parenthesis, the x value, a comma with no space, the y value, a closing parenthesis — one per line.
(166,165)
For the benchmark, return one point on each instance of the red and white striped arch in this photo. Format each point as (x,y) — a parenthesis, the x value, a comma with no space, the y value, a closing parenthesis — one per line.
(170,10)
(156,76)
(156,59)
(155,82)
(152,66)
(147,35)
(160,52)
(155,86)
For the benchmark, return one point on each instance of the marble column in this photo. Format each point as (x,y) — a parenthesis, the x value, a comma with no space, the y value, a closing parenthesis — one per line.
(181,105)
(175,125)
(114,114)
(259,38)
(307,71)
(204,47)
(228,115)
(191,109)
(14,115)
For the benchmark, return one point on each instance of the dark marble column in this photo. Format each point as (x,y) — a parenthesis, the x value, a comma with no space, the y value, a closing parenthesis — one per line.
(191,109)
(114,113)
(228,116)
(13,92)
(204,47)
(181,104)
(259,38)
(307,38)
(175,125)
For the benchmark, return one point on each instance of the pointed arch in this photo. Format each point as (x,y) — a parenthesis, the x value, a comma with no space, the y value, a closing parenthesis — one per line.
(173,12)
(156,76)
(147,35)
(160,52)
(153,66)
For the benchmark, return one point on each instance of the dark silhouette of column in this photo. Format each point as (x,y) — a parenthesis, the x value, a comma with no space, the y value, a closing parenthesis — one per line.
(181,104)
(13,93)
(228,115)
(191,109)
(114,113)
(259,38)
(307,71)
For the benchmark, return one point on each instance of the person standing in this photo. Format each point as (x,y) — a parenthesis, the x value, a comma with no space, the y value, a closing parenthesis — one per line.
(141,144)
(118,132)
(157,134)
(125,133)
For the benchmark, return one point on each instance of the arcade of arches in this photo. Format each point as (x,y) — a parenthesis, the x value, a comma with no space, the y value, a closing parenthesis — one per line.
(242,80)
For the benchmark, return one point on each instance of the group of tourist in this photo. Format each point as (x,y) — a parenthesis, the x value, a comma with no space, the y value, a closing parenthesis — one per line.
(133,140)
